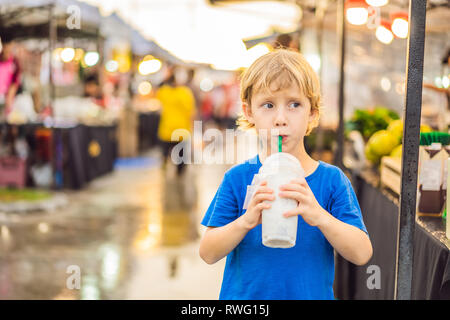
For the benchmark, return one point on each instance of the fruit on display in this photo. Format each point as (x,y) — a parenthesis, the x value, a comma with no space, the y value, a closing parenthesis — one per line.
(369,121)
(381,143)
(382,128)
(396,130)
(424,128)
(388,142)
(397,152)
(370,155)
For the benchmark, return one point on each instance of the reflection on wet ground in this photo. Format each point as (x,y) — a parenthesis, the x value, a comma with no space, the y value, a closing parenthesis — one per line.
(132,234)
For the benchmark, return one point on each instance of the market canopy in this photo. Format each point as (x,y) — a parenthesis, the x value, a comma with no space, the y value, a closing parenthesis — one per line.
(195,31)
(90,14)
(31,18)
(120,34)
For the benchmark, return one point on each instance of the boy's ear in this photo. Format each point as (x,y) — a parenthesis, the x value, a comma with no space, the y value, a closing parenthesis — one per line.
(246,108)
(314,115)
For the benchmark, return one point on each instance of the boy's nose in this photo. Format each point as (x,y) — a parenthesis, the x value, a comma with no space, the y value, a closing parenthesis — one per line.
(280,120)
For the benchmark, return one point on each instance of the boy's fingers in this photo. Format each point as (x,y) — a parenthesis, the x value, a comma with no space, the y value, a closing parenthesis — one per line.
(291,213)
(294,187)
(292,195)
(263,190)
(263,205)
(291,187)
(257,198)
(263,196)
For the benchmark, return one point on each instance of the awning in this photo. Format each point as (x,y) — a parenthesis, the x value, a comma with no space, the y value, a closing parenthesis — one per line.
(31,18)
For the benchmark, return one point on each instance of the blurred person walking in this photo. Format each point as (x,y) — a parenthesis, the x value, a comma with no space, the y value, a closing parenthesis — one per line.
(177,112)
(9,75)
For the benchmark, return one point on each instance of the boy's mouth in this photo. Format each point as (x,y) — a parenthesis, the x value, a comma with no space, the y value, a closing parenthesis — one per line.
(284,137)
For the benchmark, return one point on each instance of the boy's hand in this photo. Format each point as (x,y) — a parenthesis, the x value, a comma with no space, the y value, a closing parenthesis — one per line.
(308,207)
(252,217)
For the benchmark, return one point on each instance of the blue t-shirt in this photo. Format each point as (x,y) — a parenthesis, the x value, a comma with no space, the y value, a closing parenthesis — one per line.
(305,271)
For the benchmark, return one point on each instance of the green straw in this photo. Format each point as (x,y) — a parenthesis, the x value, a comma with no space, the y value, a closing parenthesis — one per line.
(280,143)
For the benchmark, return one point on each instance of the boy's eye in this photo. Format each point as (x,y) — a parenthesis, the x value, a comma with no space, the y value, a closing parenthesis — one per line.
(294,105)
(267,105)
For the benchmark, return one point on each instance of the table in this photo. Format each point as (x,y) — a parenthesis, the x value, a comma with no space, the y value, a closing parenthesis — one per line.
(431,263)
(148,130)
(79,154)
(83,153)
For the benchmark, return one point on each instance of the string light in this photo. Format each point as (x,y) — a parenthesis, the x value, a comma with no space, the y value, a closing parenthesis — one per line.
(400,24)
(144,88)
(91,58)
(384,33)
(206,85)
(356,12)
(67,54)
(112,66)
(377,3)
(147,67)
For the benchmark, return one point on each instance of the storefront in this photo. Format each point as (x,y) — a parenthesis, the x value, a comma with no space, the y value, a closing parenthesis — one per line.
(46,140)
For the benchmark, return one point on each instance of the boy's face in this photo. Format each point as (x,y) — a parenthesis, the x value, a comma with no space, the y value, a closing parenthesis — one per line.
(287,110)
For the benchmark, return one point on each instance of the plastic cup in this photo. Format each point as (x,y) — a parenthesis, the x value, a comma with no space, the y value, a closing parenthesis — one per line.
(277,230)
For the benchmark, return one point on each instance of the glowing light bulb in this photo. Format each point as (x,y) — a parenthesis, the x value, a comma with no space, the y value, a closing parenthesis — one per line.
(377,3)
(383,33)
(357,16)
(144,88)
(91,58)
(206,85)
(67,54)
(112,66)
(147,67)
(385,84)
(400,28)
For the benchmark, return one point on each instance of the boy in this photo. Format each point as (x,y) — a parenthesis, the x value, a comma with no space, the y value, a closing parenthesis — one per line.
(281,91)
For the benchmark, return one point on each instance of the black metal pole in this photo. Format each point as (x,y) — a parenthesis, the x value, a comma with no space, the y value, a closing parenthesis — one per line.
(411,139)
(340,131)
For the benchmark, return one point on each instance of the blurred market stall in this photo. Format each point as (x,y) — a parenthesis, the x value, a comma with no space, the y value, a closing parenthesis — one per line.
(78,70)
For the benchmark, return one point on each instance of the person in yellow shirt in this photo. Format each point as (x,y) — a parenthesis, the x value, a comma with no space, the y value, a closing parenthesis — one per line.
(177,112)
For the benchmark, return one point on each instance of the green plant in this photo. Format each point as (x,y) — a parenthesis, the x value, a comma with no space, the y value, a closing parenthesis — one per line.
(369,121)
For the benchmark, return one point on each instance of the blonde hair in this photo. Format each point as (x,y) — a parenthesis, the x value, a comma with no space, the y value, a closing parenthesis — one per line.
(281,67)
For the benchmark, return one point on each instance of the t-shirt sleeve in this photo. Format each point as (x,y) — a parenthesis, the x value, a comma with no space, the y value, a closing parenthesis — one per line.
(344,204)
(224,207)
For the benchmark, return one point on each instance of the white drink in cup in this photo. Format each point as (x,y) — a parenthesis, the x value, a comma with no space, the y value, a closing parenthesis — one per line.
(277,231)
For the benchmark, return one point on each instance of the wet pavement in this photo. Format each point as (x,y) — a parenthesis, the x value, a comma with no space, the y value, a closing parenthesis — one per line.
(132,234)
